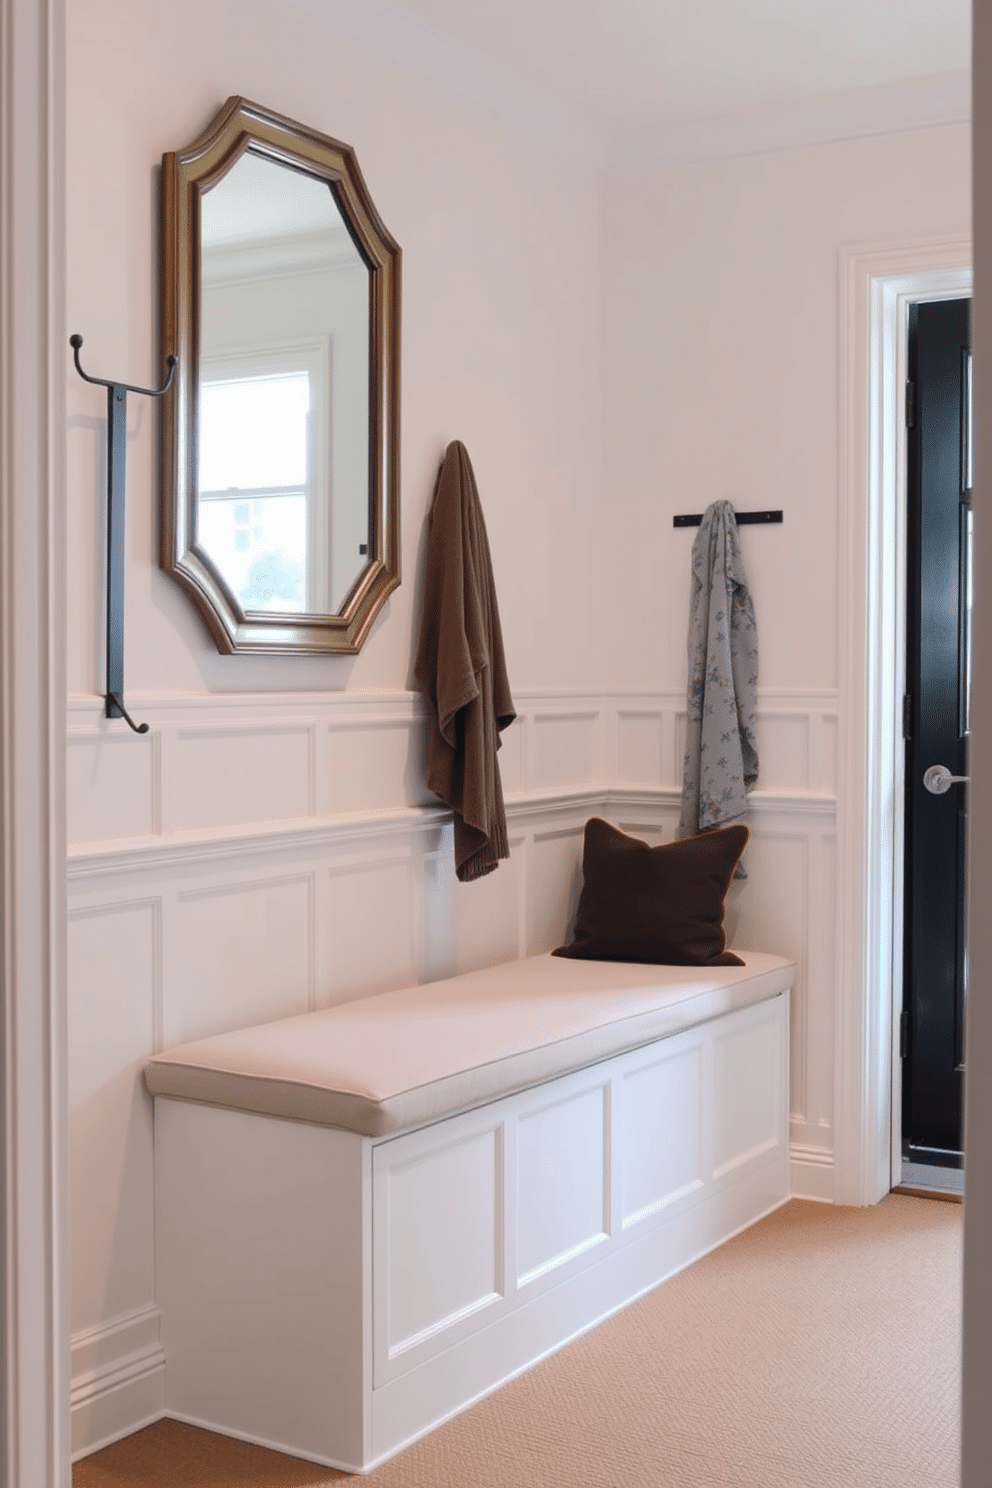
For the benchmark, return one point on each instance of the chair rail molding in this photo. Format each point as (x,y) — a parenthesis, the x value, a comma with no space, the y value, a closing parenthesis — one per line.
(877,283)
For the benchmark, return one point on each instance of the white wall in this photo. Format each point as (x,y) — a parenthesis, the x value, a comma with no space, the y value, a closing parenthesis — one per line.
(725,379)
(724,286)
(224,868)
(500,327)
(610,355)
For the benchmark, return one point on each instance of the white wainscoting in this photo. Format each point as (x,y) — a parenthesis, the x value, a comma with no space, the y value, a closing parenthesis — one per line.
(253,857)
(797,740)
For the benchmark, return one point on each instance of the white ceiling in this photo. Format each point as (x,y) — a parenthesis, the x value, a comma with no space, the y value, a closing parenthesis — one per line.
(647,63)
(682,77)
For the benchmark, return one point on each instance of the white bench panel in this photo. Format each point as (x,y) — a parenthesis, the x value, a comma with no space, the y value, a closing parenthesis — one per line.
(663,1158)
(442,1235)
(406,1408)
(264,1278)
(748,1093)
(563,1181)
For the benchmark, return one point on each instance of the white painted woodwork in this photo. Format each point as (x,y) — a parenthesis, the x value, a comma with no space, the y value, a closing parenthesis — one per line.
(489,923)
(877,284)
(118,1378)
(353,895)
(227,926)
(337,1295)
(263,1276)
(443,1256)
(661,1093)
(213,762)
(113,785)
(563,1180)
(562,749)
(251,943)
(34,1239)
(222,774)
(554,859)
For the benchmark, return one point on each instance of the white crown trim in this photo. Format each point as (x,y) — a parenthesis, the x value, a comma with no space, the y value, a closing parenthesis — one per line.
(918,103)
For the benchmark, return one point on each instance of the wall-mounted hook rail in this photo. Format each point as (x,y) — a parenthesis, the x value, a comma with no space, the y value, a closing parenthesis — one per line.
(116,454)
(744,519)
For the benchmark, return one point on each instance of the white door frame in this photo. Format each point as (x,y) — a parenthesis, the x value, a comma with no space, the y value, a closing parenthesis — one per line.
(877,284)
(34,1315)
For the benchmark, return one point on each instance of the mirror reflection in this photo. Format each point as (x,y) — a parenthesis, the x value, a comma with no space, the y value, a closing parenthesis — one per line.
(283,470)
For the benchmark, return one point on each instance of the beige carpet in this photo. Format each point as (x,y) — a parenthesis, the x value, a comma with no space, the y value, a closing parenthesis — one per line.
(820,1349)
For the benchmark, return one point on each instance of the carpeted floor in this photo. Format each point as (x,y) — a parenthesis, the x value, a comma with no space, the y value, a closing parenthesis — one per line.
(819,1349)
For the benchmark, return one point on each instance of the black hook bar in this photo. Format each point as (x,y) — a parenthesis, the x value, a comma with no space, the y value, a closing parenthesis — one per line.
(114,702)
(76,342)
(116,454)
(744,519)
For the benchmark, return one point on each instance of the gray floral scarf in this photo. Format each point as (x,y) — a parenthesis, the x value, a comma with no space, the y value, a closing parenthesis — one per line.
(721,756)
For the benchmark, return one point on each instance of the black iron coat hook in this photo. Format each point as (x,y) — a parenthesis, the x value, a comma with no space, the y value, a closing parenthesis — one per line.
(116,452)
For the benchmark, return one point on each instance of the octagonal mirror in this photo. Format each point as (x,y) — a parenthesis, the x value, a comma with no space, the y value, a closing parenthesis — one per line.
(280,501)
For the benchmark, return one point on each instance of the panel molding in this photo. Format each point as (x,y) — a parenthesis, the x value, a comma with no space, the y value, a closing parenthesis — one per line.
(186,849)
(588,760)
(425,924)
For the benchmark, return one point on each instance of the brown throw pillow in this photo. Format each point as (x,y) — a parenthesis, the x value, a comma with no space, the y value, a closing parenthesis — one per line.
(661,904)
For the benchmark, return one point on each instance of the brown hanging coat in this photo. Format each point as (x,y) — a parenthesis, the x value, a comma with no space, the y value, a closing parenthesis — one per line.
(461,669)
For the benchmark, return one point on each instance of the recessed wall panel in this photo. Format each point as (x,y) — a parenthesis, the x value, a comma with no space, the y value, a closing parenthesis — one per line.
(366,920)
(563,750)
(241,954)
(562,1156)
(820,988)
(510,756)
(113,988)
(771,911)
(374,766)
(783,750)
(111,786)
(681,725)
(487,924)
(228,776)
(640,743)
(828,755)
(554,882)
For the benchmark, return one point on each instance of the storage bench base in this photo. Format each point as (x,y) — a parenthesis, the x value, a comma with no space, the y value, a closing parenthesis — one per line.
(336,1296)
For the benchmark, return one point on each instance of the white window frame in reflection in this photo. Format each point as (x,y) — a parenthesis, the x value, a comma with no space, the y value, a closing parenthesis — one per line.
(280,519)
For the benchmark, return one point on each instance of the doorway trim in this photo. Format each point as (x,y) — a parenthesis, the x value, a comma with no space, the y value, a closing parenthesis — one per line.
(34,1312)
(877,282)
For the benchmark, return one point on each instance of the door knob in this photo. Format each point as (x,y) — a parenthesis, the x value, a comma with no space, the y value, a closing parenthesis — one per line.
(939,779)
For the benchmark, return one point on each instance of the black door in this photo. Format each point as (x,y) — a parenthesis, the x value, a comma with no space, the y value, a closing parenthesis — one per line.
(938,643)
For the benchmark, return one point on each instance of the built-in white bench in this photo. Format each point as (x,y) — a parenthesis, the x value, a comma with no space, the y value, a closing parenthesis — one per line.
(369,1216)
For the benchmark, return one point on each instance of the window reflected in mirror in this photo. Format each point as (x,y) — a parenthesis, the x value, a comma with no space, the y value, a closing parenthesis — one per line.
(285,307)
(255,486)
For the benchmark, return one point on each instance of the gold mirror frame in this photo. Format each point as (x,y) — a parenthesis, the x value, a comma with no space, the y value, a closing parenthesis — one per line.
(186,176)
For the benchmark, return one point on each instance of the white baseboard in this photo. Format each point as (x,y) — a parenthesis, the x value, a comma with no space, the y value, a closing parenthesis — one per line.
(812,1173)
(118,1380)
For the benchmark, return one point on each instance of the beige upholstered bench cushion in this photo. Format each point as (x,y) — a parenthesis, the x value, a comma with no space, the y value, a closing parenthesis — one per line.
(403,1059)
